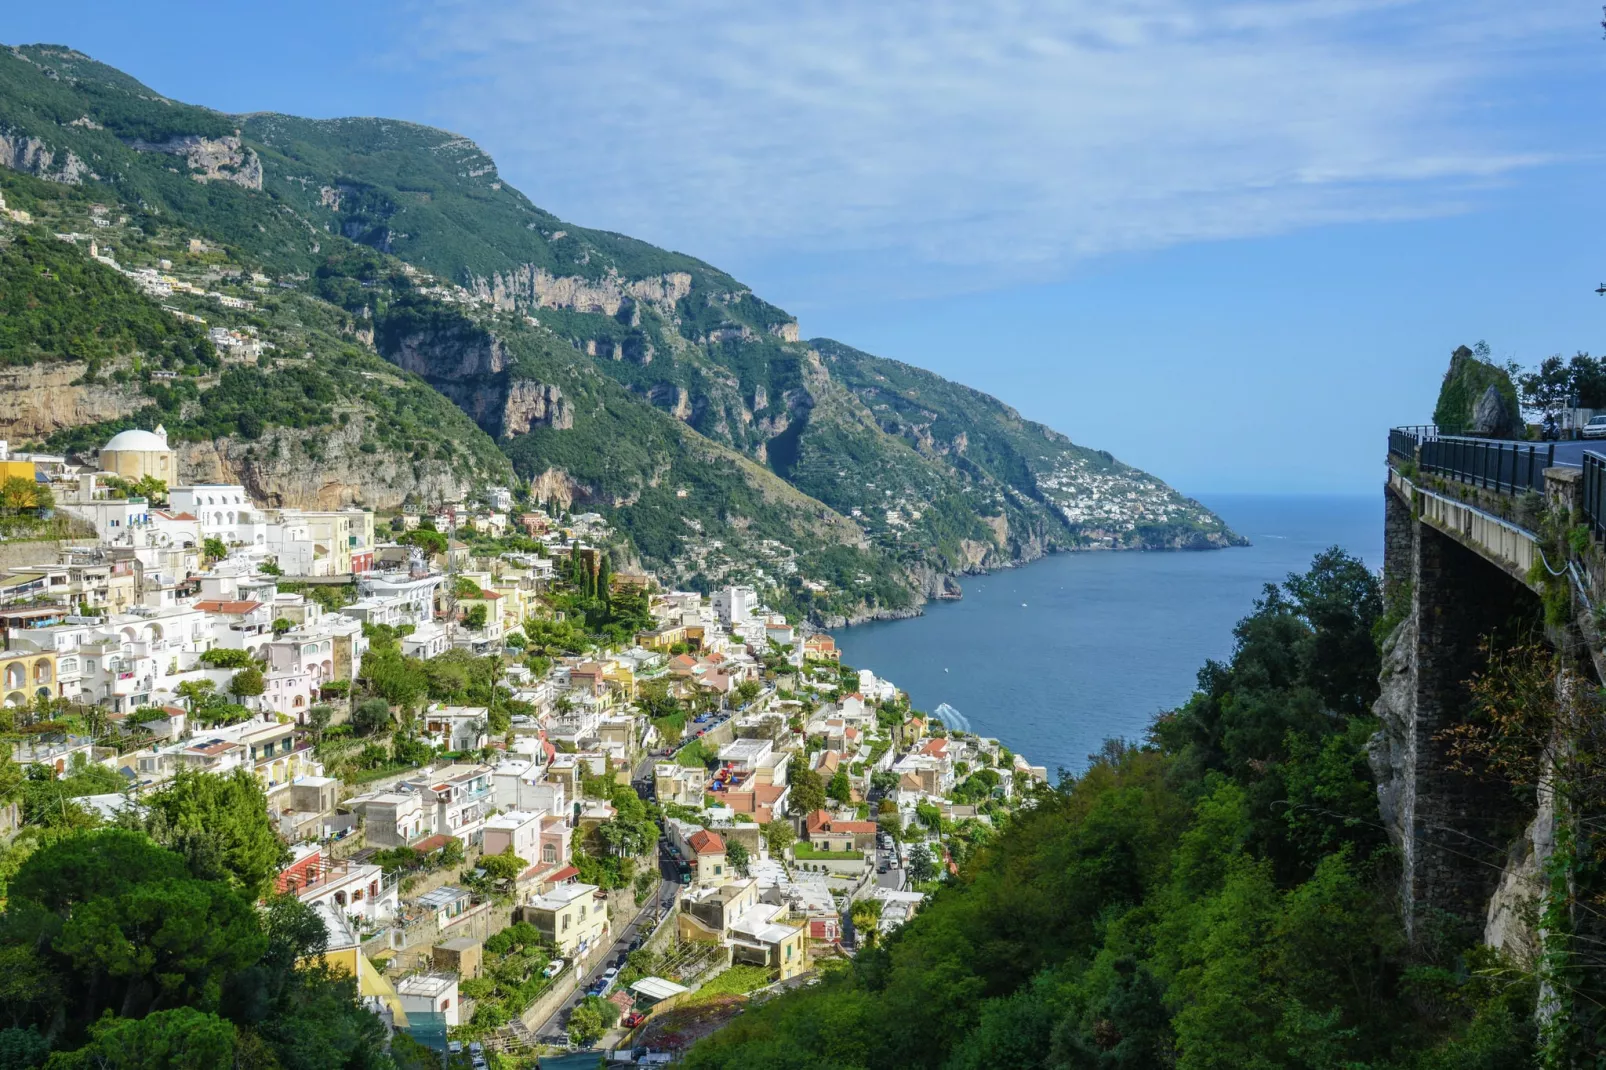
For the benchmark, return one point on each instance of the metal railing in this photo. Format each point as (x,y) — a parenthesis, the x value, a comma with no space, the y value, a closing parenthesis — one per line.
(1404,441)
(1595,493)
(1511,467)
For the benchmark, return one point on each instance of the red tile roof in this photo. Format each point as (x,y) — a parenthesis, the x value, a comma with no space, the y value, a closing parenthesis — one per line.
(433,843)
(231,607)
(704,842)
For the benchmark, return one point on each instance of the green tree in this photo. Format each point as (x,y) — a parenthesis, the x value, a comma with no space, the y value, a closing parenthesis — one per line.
(221,825)
(839,790)
(778,836)
(214,548)
(179,1039)
(371,715)
(808,793)
(195,693)
(736,854)
(247,683)
(282,625)
(922,866)
(223,658)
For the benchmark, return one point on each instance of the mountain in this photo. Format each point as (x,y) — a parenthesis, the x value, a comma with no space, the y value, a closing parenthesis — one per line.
(387,321)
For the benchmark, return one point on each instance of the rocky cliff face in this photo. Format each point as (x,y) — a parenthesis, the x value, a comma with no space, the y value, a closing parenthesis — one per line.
(33,156)
(451,356)
(279,469)
(43,398)
(221,159)
(531,404)
(528,286)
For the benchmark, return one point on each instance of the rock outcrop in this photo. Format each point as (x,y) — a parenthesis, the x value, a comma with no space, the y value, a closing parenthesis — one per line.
(219,159)
(279,470)
(33,156)
(528,286)
(37,400)
(531,404)
(1466,385)
(1492,417)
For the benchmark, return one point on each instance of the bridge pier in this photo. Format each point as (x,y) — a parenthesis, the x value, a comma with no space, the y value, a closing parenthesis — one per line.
(1452,828)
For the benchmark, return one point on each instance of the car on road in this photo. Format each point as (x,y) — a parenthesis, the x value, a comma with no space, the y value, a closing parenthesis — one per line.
(1596,427)
(883,867)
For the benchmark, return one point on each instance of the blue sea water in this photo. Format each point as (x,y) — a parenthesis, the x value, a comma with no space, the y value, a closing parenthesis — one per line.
(1057,656)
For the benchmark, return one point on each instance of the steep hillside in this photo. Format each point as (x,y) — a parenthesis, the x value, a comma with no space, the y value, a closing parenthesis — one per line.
(600,371)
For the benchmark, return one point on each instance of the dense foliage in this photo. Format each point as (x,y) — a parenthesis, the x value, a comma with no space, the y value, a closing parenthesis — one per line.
(123,954)
(57,304)
(1219,897)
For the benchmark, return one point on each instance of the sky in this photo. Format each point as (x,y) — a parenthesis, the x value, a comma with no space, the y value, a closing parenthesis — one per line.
(1231,241)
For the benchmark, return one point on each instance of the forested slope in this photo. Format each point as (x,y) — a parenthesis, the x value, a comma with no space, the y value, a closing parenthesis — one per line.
(1219,897)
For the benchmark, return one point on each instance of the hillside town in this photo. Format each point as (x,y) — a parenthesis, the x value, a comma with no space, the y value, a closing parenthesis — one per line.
(537,801)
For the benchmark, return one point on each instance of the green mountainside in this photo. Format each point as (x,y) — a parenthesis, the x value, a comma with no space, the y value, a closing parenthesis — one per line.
(384,268)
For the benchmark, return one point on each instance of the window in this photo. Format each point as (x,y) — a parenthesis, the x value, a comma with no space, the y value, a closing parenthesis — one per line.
(565,923)
(718,870)
(549,853)
(582,911)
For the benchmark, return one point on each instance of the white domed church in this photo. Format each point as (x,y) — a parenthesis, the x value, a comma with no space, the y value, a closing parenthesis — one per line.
(135,454)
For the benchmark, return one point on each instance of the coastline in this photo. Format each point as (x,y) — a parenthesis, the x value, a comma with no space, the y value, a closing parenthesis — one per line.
(949,589)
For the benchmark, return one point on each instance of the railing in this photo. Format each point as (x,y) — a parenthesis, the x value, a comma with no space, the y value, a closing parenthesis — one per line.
(1595,493)
(1512,467)
(1404,441)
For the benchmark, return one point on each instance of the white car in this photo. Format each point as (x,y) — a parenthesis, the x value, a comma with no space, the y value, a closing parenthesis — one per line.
(553,968)
(1596,427)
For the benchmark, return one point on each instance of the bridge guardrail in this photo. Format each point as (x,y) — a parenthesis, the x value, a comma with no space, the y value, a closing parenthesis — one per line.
(1595,493)
(1404,441)
(1512,467)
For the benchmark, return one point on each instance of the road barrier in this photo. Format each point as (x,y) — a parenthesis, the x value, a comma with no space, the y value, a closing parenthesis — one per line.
(1595,493)
(1511,467)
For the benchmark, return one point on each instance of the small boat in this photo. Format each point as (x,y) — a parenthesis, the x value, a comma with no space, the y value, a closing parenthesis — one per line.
(945,670)
(1023,605)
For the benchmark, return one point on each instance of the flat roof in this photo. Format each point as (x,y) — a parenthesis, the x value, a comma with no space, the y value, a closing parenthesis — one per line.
(658,988)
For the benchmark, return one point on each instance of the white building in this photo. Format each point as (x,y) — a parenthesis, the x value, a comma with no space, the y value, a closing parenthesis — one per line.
(735,605)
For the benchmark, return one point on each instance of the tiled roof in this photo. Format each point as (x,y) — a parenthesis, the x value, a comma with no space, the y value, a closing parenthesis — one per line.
(704,842)
(232,607)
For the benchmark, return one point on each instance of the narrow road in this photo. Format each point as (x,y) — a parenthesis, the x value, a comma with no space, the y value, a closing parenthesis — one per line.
(642,925)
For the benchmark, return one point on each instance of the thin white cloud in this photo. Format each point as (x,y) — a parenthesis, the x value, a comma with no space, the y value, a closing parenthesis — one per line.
(1000,141)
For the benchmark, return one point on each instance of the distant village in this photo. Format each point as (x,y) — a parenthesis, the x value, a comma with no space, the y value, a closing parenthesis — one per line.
(484,747)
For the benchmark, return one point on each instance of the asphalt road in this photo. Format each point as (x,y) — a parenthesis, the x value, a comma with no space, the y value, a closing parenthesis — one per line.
(667,891)
(1568,452)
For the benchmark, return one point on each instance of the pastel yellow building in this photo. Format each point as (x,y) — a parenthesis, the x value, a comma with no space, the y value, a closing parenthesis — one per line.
(135,454)
(28,676)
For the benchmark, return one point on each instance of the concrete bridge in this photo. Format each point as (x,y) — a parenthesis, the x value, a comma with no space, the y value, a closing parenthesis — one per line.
(1465,566)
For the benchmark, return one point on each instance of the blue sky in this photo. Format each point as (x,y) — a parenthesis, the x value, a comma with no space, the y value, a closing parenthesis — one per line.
(1229,240)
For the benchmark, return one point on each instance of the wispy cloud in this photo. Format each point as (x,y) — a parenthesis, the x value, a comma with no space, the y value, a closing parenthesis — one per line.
(1001,140)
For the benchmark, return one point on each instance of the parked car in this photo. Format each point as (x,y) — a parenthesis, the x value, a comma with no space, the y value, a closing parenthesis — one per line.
(609,975)
(883,867)
(454,1047)
(553,968)
(476,1048)
(1596,427)
(633,1019)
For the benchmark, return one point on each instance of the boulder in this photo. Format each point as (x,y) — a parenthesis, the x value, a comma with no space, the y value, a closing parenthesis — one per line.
(1492,417)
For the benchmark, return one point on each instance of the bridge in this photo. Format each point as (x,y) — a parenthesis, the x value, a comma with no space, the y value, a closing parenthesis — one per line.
(1482,544)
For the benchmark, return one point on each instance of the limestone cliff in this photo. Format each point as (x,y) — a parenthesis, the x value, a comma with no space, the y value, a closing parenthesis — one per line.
(528,286)
(531,404)
(38,400)
(33,156)
(221,159)
(324,469)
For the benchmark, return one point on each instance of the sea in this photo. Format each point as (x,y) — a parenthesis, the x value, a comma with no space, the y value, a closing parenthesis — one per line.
(1055,657)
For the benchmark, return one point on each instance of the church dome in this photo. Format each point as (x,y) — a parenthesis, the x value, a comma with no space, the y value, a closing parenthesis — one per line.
(136,441)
